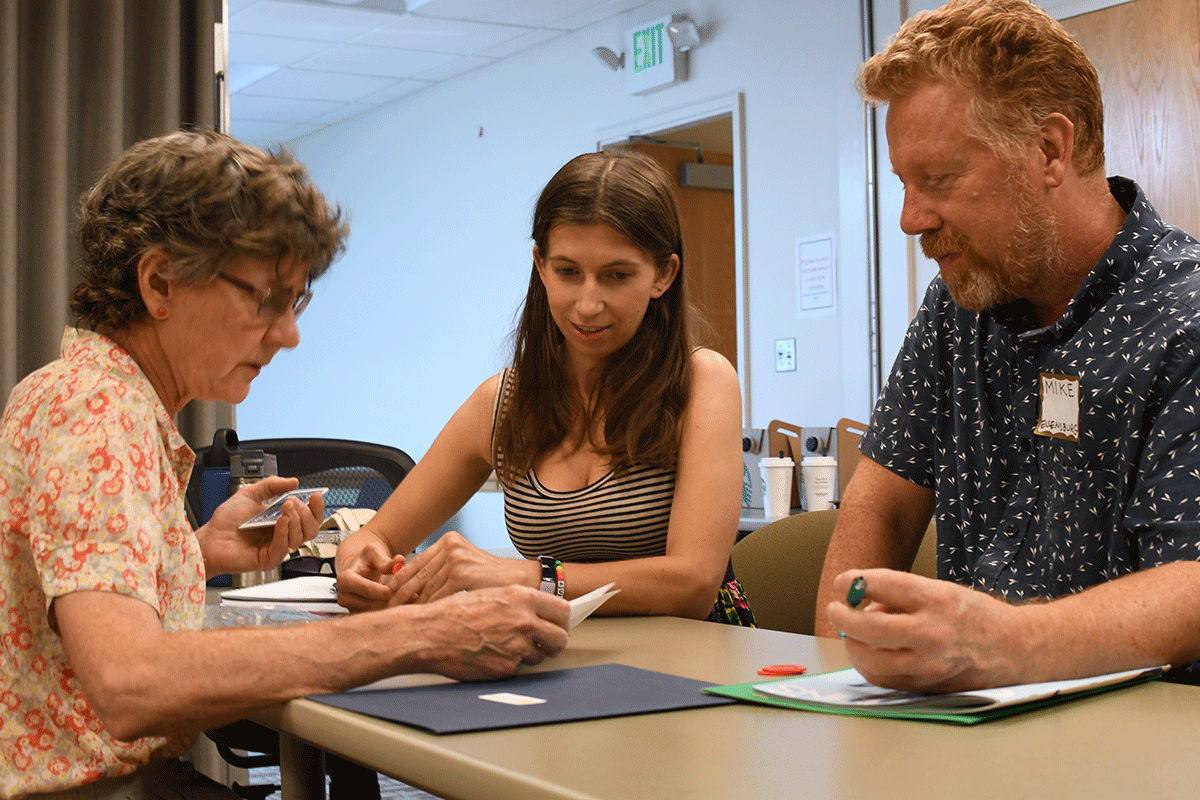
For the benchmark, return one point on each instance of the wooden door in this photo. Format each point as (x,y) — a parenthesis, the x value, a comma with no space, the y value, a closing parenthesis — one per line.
(1147,54)
(708,242)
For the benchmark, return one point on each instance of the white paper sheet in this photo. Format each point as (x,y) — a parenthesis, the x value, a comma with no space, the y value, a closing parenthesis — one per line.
(584,605)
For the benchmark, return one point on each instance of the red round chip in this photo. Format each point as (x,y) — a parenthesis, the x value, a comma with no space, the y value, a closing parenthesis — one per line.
(782,669)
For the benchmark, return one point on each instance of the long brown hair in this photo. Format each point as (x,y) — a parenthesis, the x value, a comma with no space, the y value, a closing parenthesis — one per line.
(642,390)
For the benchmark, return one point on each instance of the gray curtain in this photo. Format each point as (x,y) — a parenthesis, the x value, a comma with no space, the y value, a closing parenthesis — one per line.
(81,80)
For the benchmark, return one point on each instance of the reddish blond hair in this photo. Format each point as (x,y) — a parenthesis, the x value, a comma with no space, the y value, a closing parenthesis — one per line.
(1018,63)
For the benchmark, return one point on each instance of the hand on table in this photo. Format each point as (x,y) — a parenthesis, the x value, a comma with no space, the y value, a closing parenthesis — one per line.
(916,634)
(362,578)
(452,564)
(227,548)
(488,633)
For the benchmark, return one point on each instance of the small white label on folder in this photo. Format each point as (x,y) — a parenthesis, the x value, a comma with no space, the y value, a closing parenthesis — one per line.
(509,698)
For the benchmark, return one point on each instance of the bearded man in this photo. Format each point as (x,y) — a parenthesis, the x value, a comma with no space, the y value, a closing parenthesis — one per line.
(1046,402)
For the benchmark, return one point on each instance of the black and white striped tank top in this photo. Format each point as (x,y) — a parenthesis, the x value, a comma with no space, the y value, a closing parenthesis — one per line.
(613,519)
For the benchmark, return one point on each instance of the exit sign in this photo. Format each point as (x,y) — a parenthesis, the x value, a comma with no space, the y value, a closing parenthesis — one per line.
(650,60)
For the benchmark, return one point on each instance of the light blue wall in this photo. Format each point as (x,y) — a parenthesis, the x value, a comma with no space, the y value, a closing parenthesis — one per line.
(901,280)
(418,311)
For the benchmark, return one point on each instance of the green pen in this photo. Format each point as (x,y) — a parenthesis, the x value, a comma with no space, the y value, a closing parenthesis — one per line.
(858,590)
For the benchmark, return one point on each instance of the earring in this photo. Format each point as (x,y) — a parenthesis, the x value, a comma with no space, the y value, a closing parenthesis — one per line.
(162,312)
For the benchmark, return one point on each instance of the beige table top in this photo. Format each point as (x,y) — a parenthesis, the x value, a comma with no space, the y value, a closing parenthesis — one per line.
(1136,742)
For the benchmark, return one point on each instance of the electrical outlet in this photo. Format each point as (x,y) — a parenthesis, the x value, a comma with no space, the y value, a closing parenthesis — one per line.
(785,355)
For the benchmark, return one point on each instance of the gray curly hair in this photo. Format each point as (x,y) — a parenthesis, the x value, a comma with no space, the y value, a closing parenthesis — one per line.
(205,199)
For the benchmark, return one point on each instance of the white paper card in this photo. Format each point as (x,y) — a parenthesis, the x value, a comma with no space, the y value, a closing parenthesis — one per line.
(583,606)
(511,699)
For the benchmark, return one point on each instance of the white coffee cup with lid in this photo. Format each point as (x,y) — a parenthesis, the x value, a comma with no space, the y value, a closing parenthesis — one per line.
(820,481)
(777,475)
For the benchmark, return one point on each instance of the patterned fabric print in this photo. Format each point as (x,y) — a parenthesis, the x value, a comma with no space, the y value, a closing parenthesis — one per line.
(613,519)
(1026,515)
(91,498)
(731,607)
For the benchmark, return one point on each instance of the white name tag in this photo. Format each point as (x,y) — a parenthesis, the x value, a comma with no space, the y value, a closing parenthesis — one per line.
(1060,407)
(512,699)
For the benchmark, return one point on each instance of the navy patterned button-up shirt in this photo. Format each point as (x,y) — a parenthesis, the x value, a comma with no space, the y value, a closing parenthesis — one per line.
(1028,515)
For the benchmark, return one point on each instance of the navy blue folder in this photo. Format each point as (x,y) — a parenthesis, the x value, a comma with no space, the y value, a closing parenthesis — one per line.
(605,690)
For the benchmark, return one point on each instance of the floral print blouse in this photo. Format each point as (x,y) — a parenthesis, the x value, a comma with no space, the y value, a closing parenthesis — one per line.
(92,476)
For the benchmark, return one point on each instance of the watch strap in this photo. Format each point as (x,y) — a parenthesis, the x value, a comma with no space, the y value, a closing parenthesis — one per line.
(549,577)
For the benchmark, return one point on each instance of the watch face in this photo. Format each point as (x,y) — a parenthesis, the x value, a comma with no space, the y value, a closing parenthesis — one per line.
(548,576)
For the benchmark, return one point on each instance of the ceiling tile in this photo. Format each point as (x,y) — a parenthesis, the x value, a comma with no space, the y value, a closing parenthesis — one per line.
(297,66)
(396,91)
(533,13)
(332,23)
(251,130)
(277,109)
(235,6)
(456,67)
(362,60)
(302,83)
(520,43)
(462,37)
(243,75)
(343,112)
(600,11)
(277,50)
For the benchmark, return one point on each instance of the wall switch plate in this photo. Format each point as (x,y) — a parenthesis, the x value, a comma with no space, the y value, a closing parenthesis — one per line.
(785,355)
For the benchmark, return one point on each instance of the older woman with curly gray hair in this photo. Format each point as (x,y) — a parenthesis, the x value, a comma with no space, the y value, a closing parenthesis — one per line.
(198,256)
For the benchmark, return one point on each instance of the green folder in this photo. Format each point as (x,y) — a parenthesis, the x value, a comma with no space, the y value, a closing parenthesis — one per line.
(845,692)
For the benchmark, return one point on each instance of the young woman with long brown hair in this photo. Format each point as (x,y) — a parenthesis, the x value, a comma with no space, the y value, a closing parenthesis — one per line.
(616,440)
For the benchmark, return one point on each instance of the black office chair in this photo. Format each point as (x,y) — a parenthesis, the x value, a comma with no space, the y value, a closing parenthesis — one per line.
(359,475)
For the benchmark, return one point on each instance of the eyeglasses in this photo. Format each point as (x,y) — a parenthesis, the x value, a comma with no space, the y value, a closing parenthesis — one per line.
(274,305)
(308,565)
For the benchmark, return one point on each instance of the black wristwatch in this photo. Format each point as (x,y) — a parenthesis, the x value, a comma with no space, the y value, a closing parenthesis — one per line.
(549,576)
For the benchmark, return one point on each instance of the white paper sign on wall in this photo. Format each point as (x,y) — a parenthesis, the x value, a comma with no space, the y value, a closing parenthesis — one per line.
(816,276)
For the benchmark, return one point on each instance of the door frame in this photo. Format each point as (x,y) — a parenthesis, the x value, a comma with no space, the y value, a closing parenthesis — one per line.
(660,122)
